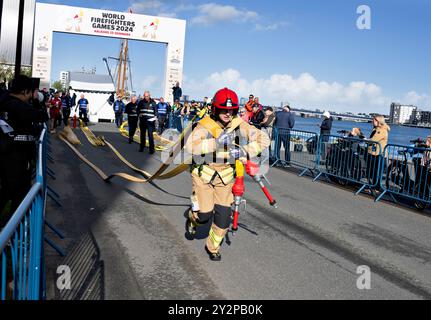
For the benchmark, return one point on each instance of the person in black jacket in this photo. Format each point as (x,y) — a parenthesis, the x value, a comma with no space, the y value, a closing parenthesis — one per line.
(132,116)
(284,122)
(66,107)
(257,117)
(325,131)
(15,164)
(177,92)
(147,111)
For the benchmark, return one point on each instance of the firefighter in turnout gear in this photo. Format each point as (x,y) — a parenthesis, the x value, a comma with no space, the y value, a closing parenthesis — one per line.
(214,145)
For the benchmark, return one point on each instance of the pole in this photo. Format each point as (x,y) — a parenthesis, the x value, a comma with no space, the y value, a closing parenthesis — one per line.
(124,68)
(19,38)
(1,16)
(120,69)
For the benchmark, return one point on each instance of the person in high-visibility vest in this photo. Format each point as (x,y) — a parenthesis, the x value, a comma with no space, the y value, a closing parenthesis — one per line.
(214,145)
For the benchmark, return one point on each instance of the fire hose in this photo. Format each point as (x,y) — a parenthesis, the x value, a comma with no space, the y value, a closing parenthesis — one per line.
(238,189)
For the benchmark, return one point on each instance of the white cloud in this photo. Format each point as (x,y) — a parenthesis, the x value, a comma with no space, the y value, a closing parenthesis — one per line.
(211,13)
(419,100)
(168,14)
(270,27)
(149,82)
(145,6)
(302,91)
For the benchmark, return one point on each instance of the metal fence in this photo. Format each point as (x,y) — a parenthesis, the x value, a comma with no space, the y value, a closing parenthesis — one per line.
(295,147)
(407,173)
(350,159)
(21,240)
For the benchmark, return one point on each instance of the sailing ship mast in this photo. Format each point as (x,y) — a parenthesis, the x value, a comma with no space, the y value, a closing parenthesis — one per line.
(122,68)
(123,64)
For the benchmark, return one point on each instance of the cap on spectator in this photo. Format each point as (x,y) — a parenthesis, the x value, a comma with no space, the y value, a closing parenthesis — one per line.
(326,114)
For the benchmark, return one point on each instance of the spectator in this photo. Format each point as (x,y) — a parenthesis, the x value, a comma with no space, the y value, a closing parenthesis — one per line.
(73,102)
(163,110)
(379,135)
(355,136)
(249,107)
(177,92)
(54,111)
(326,125)
(258,116)
(325,131)
(284,122)
(185,111)
(193,111)
(209,107)
(83,106)
(243,114)
(111,99)
(206,102)
(426,159)
(132,117)
(118,107)
(66,105)
(176,115)
(268,121)
(256,101)
(15,164)
(284,119)
(356,133)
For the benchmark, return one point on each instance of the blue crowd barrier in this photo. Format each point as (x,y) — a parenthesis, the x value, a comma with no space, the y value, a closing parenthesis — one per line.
(21,240)
(407,173)
(295,147)
(350,159)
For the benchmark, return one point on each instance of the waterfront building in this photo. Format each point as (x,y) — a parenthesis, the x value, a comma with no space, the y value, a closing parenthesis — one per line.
(64,78)
(401,114)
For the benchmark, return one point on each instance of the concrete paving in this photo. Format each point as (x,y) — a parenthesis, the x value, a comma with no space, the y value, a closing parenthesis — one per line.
(309,248)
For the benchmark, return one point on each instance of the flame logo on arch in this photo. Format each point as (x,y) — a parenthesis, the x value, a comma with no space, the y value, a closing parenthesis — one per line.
(74,23)
(150,30)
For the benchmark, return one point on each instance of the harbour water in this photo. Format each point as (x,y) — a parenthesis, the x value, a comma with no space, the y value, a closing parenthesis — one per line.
(397,135)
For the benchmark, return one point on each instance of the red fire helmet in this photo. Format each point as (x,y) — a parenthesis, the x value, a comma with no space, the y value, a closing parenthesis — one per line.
(225,99)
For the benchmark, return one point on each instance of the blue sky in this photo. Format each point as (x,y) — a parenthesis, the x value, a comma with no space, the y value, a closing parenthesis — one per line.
(309,53)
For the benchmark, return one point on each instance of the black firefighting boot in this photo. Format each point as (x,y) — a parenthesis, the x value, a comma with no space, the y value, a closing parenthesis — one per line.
(213,256)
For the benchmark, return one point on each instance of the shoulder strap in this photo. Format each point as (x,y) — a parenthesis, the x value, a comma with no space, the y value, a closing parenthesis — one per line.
(236,122)
(214,128)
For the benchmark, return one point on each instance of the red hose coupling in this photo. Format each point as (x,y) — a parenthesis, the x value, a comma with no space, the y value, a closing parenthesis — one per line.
(238,187)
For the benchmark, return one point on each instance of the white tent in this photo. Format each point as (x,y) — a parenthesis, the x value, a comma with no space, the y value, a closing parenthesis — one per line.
(96,88)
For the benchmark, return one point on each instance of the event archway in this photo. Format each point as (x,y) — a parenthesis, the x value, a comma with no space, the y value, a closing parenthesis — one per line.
(50,18)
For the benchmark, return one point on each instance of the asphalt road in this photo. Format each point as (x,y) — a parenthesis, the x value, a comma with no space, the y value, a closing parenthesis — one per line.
(308,248)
